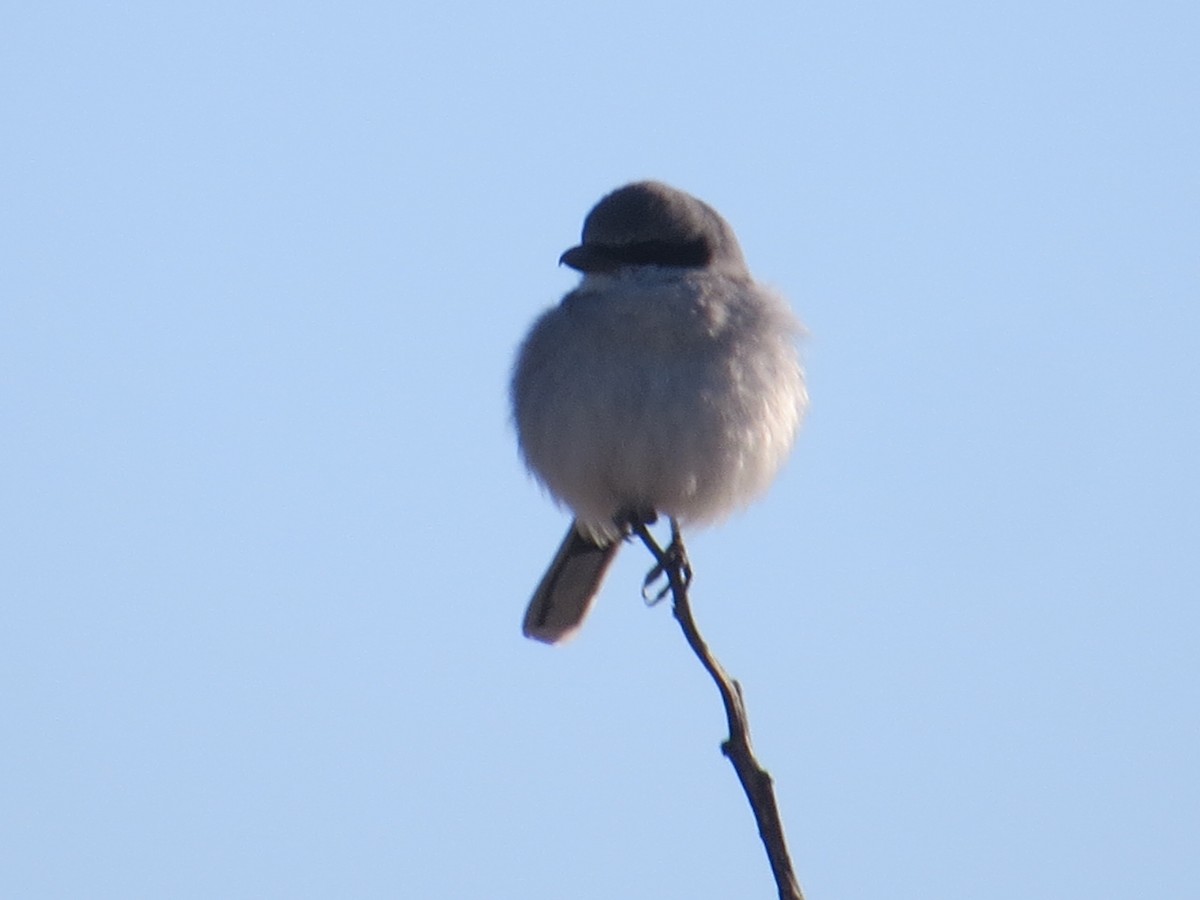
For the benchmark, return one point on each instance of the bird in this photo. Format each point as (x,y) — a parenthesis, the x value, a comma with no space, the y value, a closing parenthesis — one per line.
(667,383)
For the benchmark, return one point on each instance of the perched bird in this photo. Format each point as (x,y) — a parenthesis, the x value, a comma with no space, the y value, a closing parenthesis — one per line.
(666,383)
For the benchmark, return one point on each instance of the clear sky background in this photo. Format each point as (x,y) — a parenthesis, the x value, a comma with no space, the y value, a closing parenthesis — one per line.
(265,541)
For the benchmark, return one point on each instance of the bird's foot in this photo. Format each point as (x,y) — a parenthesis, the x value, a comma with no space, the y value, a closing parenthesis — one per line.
(671,563)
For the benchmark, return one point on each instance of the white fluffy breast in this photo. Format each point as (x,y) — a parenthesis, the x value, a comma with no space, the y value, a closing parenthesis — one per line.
(680,392)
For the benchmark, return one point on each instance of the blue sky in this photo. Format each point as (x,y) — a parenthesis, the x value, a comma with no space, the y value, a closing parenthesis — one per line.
(265,541)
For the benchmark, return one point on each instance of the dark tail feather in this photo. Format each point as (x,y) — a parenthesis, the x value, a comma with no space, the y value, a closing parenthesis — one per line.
(567,590)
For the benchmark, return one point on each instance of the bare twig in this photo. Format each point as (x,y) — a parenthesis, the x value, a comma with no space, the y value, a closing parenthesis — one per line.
(756,782)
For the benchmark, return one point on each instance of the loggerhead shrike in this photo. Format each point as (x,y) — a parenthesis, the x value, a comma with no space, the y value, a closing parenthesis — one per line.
(667,382)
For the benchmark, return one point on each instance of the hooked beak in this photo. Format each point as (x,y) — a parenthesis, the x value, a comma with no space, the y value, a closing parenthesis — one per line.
(586,259)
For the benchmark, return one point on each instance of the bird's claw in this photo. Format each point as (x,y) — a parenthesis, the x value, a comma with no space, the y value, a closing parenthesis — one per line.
(674,562)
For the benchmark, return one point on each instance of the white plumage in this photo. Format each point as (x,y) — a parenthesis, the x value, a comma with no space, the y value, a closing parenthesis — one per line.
(654,385)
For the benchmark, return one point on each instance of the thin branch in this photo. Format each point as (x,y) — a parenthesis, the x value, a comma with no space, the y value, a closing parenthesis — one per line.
(756,782)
